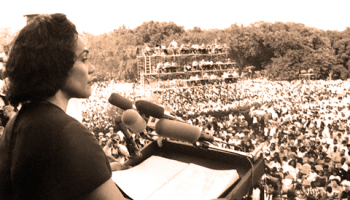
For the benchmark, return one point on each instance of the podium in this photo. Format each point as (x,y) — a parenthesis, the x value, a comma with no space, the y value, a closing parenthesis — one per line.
(249,169)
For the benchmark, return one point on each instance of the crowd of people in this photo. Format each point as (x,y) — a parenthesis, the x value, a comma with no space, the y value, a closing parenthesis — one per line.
(190,74)
(304,126)
(174,49)
(195,66)
(307,142)
(184,101)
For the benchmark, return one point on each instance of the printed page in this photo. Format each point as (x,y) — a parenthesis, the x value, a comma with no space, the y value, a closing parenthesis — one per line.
(162,178)
(142,180)
(196,182)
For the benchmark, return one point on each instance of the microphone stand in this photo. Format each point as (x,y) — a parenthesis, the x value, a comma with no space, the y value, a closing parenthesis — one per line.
(130,143)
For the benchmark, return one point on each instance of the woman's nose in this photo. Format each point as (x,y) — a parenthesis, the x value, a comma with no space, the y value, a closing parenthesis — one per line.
(91,68)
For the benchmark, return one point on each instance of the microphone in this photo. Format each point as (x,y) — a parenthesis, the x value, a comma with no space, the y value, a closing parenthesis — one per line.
(117,100)
(178,130)
(184,132)
(132,119)
(130,143)
(144,107)
(151,109)
(125,104)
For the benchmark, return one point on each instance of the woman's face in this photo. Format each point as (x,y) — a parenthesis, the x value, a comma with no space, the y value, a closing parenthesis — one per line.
(78,84)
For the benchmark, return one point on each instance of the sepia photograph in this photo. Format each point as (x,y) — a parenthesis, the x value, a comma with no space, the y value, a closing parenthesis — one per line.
(180,100)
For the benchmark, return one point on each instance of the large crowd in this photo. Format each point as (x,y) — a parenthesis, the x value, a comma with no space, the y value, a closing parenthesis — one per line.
(174,49)
(186,102)
(304,126)
(301,126)
(306,135)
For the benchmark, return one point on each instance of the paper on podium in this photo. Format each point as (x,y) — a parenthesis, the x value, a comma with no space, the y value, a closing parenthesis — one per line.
(162,178)
(142,180)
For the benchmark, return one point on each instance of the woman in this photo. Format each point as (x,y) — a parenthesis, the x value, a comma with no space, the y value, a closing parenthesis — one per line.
(45,153)
(276,160)
(249,146)
(292,168)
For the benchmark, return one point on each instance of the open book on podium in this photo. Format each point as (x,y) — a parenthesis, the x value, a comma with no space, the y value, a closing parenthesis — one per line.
(178,170)
(158,177)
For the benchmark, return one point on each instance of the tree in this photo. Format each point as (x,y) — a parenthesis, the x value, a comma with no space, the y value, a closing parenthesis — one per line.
(283,49)
(244,44)
(286,67)
(297,48)
(154,33)
(338,71)
(342,52)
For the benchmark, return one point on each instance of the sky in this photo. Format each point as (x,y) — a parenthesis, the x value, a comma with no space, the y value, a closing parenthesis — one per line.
(103,16)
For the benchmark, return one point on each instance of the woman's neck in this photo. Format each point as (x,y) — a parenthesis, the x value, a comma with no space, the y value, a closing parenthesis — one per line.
(60,100)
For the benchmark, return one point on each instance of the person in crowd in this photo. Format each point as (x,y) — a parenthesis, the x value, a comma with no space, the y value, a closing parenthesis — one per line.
(54,156)
(1,131)
(346,191)
(7,114)
(3,59)
(9,111)
(173,48)
(101,139)
(116,151)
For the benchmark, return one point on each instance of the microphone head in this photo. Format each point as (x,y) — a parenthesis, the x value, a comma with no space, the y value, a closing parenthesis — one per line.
(178,130)
(132,119)
(119,101)
(149,109)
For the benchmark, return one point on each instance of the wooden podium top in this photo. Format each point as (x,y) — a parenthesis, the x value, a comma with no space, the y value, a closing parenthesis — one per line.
(180,159)
(162,178)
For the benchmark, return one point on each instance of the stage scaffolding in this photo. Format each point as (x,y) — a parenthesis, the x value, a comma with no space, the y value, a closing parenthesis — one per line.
(149,71)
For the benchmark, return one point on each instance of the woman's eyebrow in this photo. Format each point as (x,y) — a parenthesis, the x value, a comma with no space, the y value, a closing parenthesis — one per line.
(84,51)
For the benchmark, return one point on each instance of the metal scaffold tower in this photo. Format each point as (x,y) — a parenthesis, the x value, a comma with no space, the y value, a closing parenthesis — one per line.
(143,67)
(153,70)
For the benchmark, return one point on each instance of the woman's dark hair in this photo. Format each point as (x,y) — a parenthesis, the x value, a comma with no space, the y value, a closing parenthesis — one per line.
(40,58)
(293,163)
(277,158)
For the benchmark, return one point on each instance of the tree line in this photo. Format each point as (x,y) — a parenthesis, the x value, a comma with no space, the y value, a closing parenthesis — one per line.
(279,50)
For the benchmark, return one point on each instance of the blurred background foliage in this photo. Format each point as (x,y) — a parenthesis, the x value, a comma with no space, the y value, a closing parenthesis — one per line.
(278,50)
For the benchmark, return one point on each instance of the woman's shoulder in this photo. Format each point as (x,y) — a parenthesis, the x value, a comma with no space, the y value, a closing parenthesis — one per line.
(46,112)
(50,122)
(42,109)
